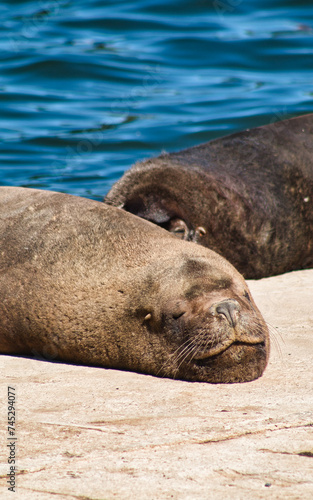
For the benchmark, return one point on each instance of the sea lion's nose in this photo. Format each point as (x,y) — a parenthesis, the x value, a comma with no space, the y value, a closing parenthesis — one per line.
(228,308)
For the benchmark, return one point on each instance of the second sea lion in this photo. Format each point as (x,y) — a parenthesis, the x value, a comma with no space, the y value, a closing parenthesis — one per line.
(247,196)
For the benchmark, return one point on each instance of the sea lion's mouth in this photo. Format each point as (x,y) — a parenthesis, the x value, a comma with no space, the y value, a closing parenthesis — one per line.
(209,358)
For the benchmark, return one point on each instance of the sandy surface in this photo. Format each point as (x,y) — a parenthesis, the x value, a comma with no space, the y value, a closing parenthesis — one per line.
(91,433)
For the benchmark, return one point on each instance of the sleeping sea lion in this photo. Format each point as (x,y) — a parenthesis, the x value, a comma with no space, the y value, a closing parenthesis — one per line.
(247,196)
(92,284)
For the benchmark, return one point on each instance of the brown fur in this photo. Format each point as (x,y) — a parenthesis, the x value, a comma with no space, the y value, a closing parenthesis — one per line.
(84,282)
(248,196)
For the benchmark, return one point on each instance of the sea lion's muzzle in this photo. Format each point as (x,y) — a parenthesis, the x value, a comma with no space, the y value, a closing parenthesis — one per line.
(213,328)
(228,309)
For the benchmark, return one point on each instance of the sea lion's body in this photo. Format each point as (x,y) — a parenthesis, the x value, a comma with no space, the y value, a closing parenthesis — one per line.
(87,283)
(248,196)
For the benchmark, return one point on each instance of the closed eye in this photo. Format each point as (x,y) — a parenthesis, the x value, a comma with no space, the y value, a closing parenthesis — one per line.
(247,296)
(178,315)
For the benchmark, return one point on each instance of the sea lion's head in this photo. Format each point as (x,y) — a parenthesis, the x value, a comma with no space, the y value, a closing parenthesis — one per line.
(166,195)
(194,206)
(202,322)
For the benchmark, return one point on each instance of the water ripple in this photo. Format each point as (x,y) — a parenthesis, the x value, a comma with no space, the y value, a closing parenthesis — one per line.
(88,88)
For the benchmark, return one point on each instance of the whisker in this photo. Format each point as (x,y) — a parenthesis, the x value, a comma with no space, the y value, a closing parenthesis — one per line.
(203,340)
(273,338)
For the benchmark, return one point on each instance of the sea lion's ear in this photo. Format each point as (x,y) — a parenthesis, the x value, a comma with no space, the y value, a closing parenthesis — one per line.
(199,233)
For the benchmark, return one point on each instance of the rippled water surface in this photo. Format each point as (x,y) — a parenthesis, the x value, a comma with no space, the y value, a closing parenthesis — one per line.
(89,87)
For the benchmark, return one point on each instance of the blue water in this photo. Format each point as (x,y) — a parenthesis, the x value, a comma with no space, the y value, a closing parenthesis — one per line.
(89,87)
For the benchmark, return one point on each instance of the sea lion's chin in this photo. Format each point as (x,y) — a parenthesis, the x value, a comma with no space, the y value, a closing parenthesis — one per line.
(240,362)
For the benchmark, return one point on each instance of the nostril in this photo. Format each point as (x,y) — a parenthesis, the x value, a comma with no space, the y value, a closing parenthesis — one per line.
(229,309)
